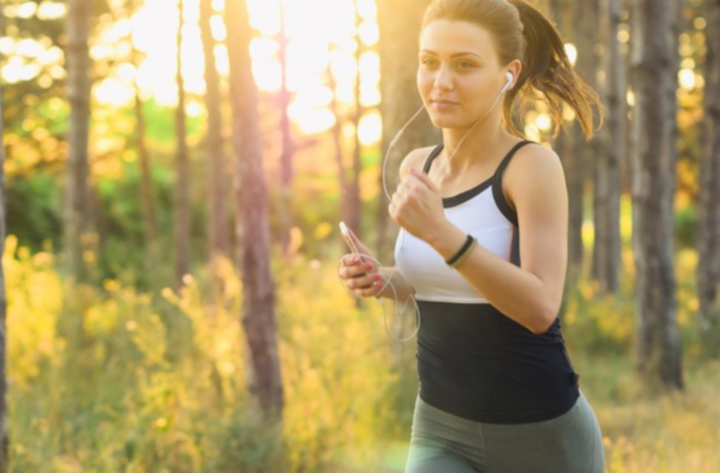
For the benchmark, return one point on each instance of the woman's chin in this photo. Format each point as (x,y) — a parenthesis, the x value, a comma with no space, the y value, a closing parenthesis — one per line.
(445,122)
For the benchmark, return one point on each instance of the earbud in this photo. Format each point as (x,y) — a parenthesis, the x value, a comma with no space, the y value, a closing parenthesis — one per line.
(509,82)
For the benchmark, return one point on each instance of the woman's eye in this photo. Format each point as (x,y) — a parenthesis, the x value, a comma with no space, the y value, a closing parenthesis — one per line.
(466,65)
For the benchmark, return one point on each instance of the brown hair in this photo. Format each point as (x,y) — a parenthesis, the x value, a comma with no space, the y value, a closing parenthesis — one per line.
(522,32)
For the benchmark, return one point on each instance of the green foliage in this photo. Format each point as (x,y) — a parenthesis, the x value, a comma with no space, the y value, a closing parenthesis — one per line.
(34,210)
(108,379)
(686,227)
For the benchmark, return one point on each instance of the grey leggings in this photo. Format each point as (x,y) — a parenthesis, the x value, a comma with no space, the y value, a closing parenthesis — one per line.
(444,443)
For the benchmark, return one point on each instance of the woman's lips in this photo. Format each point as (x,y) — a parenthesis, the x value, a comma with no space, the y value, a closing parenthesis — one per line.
(443,104)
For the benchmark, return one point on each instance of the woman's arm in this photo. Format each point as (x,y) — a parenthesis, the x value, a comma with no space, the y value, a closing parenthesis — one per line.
(531,294)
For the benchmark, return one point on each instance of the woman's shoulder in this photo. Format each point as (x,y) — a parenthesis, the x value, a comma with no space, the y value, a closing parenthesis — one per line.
(415,158)
(531,162)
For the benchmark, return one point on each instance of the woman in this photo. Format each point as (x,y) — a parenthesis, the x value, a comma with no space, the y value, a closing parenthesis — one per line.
(483,249)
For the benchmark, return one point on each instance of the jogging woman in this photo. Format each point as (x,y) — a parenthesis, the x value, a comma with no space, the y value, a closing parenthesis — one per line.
(483,249)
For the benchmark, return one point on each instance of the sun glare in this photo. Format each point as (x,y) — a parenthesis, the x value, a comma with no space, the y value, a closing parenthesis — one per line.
(322,47)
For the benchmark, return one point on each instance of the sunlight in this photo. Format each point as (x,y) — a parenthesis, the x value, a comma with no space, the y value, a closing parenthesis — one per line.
(686,77)
(318,45)
(370,129)
(571,52)
(114,92)
(543,122)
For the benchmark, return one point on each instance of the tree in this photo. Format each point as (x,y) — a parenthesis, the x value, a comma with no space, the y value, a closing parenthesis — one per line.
(146,187)
(608,179)
(4,440)
(398,49)
(708,272)
(217,181)
(570,147)
(182,184)
(288,145)
(258,317)
(77,193)
(353,204)
(653,171)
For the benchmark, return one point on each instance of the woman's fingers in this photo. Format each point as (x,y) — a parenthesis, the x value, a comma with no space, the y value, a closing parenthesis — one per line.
(356,270)
(362,278)
(358,243)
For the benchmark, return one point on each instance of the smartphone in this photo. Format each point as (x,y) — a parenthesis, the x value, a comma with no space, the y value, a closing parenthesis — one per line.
(346,234)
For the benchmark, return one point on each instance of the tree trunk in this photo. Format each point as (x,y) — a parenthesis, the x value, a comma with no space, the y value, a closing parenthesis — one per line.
(338,144)
(76,185)
(288,145)
(708,272)
(353,212)
(146,187)
(182,189)
(659,351)
(259,319)
(4,440)
(218,244)
(571,147)
(608,180)
(399,22)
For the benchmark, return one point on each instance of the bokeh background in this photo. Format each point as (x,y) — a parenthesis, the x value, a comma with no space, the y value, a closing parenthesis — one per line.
(174,175)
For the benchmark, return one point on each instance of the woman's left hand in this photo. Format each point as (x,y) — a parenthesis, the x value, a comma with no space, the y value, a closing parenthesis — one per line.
(417,206)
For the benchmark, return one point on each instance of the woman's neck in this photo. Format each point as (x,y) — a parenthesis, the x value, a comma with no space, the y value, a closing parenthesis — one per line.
(481,145)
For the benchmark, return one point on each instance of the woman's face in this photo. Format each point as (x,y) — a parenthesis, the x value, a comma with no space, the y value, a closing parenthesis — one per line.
(459,73)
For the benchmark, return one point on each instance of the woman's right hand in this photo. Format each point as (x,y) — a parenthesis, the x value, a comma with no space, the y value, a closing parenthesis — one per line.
(360,275)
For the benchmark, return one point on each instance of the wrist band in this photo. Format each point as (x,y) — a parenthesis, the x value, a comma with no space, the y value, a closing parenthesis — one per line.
(462,252)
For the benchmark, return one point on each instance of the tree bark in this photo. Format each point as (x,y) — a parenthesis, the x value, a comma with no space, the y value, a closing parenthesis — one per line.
(182,185)
(4,439)
(708,271)
(288,145)
(76,186)
(258,318)
(400,22)
(659,349)
(608,180)
(146,187)
(570,146)
(218,242)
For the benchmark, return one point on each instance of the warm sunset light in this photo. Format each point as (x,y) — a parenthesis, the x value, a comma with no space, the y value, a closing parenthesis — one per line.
(316,44)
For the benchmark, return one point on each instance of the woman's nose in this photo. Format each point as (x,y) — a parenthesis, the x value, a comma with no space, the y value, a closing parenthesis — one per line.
(443,79)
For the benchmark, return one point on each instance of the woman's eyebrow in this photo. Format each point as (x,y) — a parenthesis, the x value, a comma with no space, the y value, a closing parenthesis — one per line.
(454,55)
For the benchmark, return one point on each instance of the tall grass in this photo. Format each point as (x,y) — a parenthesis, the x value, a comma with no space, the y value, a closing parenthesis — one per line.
(108,379)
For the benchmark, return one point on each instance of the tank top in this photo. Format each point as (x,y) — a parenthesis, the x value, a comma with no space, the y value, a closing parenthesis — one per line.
(472,360)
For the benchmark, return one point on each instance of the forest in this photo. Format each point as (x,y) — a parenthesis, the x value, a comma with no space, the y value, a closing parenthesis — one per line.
(173,175)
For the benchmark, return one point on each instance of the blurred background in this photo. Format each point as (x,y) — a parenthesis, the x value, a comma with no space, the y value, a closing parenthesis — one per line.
(174,174)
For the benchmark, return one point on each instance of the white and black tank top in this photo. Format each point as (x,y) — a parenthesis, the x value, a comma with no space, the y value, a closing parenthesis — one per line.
(472,360)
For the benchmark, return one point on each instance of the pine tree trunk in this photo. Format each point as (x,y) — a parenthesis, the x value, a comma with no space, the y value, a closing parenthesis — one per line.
(608,179)
(659,351)
(258,319)
(4,440)
(146,187)
(708,272)
(353,212)
(182,185)
(218,244)
(286,216)
(572,147)
(76,185)
(338,145)
(399,22)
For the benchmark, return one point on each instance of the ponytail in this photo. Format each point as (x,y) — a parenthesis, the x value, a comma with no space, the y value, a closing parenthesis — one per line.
(547,70)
